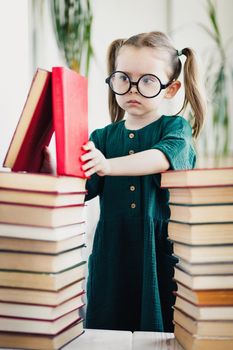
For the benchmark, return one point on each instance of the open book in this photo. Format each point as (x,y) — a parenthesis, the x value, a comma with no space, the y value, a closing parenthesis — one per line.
(57,101)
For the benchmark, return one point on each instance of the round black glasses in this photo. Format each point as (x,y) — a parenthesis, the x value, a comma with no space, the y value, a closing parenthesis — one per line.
(148,85)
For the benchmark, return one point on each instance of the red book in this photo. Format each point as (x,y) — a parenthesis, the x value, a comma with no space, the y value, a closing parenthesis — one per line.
(34,129)
(56,101)
(69,92)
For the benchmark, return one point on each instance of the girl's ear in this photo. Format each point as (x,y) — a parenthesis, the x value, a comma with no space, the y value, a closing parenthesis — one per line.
(172,89)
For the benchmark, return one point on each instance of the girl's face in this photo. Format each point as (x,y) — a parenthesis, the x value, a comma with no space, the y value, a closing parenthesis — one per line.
(136,62)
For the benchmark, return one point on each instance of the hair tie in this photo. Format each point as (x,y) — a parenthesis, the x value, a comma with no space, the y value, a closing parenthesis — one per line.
(179,52)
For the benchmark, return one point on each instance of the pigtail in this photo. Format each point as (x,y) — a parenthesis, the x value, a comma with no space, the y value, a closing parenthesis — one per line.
(116,112)
(194,93)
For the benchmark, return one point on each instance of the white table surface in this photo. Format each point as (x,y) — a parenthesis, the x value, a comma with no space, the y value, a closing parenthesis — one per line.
(96,339)
(155,340)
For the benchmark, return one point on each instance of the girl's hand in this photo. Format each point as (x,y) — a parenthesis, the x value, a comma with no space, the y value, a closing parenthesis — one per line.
(48,165)
(95,161)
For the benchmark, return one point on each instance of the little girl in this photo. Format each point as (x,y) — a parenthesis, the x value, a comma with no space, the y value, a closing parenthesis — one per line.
(130,269)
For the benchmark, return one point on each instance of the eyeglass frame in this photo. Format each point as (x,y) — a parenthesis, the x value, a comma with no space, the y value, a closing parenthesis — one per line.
(131,83)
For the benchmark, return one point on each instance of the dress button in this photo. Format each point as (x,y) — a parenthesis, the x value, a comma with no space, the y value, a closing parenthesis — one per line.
(132,188)
(131,135)
(131,151)
(133,205)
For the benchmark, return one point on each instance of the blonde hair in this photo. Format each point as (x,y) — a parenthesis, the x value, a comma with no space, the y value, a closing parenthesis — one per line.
(192,83)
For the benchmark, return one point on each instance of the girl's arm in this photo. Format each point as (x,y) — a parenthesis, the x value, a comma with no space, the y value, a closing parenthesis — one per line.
(142,163)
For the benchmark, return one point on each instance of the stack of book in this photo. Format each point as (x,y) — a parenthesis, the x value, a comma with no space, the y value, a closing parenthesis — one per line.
(41,217)
(41,264)
(201,229)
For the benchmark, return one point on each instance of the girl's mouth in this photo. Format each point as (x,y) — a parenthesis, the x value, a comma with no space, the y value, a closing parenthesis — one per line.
(133,102)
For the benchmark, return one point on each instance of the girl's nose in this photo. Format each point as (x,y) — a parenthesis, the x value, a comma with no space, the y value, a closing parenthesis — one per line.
(133,89)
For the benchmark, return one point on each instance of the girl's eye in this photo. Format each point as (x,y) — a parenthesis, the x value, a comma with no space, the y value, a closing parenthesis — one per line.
(145,80)
(123,77)
(148,79)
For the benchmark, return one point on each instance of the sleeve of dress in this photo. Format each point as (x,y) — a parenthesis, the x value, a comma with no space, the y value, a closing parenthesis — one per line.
(177,144)
(94,185)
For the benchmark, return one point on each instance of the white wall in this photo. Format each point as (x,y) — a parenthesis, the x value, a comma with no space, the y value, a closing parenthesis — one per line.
(14,62)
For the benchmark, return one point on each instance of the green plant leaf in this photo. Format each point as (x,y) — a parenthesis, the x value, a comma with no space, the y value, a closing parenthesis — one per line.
(208,31)
(72,21)
(218,77)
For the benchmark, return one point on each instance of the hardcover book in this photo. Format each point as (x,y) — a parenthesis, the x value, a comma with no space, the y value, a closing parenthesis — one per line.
(40,262)
(39,326)
(201,234)
(197,177)
(57,102)
(40,312)
(41,280)
(41,183)
(39,246)
(204,254)
(223,312)
(35,215)
(69,96)
(206,297)
(193,342)
(203,281)
(198,214)
(53,234)
(206,268)
(41,198)
(35,127)
(41,341)
(34,296)
(217,328)
(201,195)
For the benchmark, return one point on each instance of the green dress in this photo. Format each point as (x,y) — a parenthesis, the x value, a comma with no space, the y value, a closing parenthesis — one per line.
(130,283)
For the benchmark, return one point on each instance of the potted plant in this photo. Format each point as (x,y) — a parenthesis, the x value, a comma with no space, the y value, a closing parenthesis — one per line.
(219,78)
(72,21)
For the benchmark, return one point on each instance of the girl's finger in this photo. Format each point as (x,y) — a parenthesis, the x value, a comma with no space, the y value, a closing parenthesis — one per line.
(89,146)
(90,172)
(91,164)
(87,156)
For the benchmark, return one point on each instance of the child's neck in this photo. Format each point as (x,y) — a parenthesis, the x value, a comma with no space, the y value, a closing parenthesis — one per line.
(138,122)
